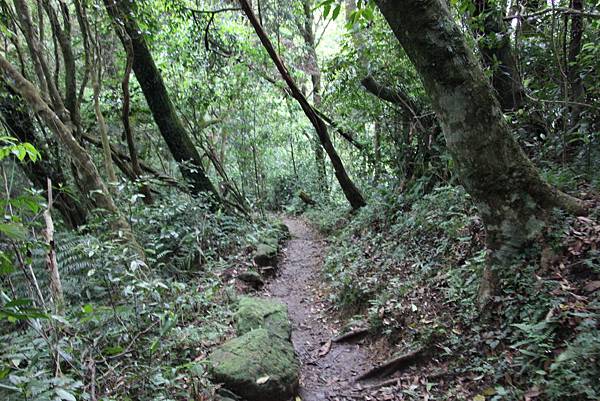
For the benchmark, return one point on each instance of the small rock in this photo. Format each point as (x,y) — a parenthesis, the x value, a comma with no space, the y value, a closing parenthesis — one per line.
(268,271)
(252,278)
(266,255)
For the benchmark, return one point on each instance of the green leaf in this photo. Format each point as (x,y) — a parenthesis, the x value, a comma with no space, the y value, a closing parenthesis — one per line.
(113,350)
(14,231)
(336,11)
(6,265)
(368,13)
(326,9)
(64,395)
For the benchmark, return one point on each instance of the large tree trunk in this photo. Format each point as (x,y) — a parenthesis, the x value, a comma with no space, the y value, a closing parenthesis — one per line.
(171,128)
(508,190)
(497,54)
(20,125)
(351,192)
(93,185)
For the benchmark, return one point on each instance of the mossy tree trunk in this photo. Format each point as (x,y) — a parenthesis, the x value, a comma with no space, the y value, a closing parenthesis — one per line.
(149,77)
(576,88)
(511,196)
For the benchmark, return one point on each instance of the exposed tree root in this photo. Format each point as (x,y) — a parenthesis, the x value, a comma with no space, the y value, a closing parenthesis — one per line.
(350,335)
(389,382)
(393,365)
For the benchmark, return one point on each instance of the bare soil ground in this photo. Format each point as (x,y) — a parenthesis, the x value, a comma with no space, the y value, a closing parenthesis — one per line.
(328,369)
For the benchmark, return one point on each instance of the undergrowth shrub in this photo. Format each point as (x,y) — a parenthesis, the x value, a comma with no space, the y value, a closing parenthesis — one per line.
(140,330)
(412,265)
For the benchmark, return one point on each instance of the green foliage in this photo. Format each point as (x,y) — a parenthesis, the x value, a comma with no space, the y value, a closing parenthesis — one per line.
(412,265)
(10,146)
(146,326)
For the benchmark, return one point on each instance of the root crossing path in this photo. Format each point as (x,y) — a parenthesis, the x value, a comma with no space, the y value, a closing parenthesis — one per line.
(328,369)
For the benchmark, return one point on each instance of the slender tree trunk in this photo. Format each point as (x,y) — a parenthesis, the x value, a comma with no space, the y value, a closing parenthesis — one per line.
(135,164)
(47,85)
(307,29)
(510,194)
(171,128)
(351,192)
(106,153)
(51,262)
(377,152)
(94,186)
(577,94)
(63,37)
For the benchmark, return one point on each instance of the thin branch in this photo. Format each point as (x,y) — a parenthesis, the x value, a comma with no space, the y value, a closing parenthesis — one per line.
(555,10)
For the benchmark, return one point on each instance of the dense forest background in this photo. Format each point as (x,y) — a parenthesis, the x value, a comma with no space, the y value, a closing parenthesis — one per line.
(447,151)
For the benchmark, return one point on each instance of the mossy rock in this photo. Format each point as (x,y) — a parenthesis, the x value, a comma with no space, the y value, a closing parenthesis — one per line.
(284,230)
(252,278)
(266,254)
(257,366)
(254,313)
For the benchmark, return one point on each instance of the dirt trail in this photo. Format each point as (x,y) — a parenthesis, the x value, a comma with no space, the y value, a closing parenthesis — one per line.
(324,376)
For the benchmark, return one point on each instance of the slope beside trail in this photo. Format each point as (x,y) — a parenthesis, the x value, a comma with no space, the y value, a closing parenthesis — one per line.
(328,369)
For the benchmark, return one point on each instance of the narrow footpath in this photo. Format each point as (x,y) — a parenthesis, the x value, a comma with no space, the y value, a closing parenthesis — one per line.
(328,369)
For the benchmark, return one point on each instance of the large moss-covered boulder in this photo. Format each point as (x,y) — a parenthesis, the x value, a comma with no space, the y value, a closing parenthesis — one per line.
(269,314)
(266,254)
(257,366)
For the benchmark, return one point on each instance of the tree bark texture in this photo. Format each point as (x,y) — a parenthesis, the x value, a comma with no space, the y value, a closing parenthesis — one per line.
(506,187)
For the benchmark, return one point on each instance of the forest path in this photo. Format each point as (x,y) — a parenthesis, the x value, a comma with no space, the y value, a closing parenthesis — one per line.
(328,370)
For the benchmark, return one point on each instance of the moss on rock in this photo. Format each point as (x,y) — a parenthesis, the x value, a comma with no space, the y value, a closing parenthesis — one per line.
(266,254)
(254,313)
(258,366)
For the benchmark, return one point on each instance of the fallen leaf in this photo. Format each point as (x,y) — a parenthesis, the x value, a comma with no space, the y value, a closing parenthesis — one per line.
(592,286)
(479,397)
(532,393)
(262,380)
(324,350)
(489,391)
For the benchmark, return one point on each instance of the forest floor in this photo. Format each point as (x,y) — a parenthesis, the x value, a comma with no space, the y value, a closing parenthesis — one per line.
(328,369)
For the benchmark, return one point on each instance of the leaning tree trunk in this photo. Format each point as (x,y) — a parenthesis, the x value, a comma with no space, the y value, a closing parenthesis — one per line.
(94,186)
(171,128)
(351,192)
(19,124)
(510,194)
